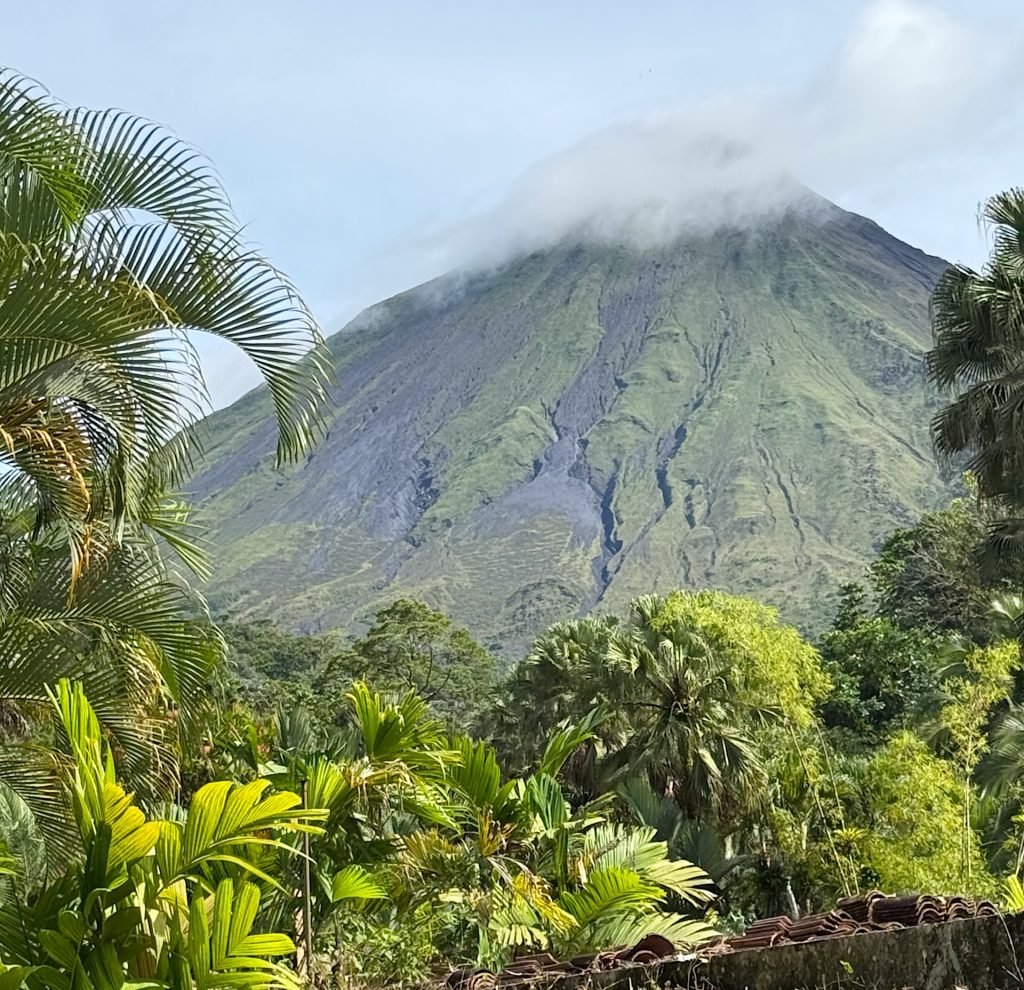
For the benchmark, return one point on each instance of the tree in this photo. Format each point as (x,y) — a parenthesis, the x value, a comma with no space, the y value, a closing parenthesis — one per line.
(978,324)
(693,685)
(689,729)
(778,669)
(885,678)
(427,851)
(560,681)
(909,806)
(116,243)
(929,576)
(269,666)
(981,678)
(412,647)
(699,844)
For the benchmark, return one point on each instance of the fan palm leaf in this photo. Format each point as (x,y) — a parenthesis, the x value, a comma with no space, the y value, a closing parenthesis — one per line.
(613,845)
(978,326)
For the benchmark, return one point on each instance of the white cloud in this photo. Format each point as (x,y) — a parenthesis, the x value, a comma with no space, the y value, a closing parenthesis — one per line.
(902,55)
(901,87)
(909,82)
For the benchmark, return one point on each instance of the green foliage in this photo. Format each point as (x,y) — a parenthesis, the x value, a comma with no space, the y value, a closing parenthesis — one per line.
(980,678)
(929,576)
(95,287)
(978,320)
(699,844)
(354,883)
(433,840)
(421,847)
(116,243)
(549,877)
(380,950)
(885,678)
(816,819)
(412,647)
(1002,767)
(692,683)
(149,902)
(778,670)
(911,816)
(270,666)
(1013,894)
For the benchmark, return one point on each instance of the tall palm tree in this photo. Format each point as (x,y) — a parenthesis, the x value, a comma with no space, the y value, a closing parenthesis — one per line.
(978,324)
(559,681)
(117,244)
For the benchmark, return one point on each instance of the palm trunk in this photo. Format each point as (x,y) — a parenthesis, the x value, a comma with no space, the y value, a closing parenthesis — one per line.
(793,907)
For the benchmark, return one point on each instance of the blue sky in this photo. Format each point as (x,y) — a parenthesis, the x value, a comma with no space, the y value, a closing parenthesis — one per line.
(355,138)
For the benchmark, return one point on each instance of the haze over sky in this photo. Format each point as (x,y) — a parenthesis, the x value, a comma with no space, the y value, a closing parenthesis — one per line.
(369,146)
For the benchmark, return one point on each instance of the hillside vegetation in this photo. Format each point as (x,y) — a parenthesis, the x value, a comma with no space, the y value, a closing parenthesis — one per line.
(743,409)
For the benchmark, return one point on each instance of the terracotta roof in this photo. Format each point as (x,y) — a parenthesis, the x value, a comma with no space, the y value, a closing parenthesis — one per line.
(870,912)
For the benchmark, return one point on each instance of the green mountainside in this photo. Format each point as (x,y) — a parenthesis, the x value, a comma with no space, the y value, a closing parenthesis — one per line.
(743,409)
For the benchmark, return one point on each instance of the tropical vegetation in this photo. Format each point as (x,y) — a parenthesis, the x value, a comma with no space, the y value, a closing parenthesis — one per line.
(187,803)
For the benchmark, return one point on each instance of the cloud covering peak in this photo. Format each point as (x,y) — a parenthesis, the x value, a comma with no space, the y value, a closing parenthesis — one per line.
(887,95)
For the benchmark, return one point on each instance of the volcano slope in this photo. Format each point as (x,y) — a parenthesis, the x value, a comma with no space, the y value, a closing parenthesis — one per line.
(739,409)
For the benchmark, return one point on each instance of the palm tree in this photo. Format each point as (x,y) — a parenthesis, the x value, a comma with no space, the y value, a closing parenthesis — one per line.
(116,244)
(676,702)
(560,681)
(169,903)
(689,724)
(978,324)
(542,875)
(385,770)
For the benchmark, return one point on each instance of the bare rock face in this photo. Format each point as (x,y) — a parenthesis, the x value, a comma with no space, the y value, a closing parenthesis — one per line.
(743,409)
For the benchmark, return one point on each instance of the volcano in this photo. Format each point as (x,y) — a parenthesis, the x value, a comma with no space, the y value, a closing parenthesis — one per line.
(737,408)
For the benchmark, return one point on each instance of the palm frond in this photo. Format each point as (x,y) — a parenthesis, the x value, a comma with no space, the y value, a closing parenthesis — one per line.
(978,352)
(74,184)
(354,882)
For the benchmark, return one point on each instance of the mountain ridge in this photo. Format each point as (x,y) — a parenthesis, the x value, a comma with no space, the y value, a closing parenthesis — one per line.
(594,421)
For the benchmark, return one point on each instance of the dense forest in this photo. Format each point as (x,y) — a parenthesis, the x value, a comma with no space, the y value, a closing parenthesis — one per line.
(187,802)
(886,754)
